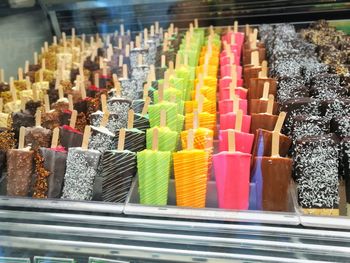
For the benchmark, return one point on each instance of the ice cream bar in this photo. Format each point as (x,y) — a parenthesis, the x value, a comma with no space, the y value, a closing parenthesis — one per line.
(7,141)
(260,105)
(141,121)
(244,140)
(167,139)
(4,117)
(345,169)
(265,121)
(20,166)
(232,172)
(118,169)
(256,86)
(50,118)
(335,108)
(316,172)
(101,138)
(69,136)
(81,170)
(190,171)
(119,106)
(263,140)
(135,139)
(15,104)
(231,105)
(153,170)
(38,136)
(264,176)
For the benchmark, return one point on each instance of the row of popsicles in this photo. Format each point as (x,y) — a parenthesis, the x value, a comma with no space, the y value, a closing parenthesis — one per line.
(101,139)
(247,142)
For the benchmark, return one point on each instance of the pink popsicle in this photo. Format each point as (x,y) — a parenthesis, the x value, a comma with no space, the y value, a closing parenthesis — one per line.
(242,93)
(232,173)
(226,71)
(228,121)
(226,106)
(244,141)
(225,60)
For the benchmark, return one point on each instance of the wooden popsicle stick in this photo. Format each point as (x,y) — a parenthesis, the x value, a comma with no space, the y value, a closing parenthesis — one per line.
(2,75)
(54,41)
(26,67)
(137,42)
(161,93)
(178,61)
(120,61)
(22,134)
(122,30)
(35,93)
(70,102)
(13,94)
(20,74)
(162,122)
(235,26)
(28,83)
(233,39)
(275,144)
(55,136)
(131,115)
(145,35)
(229,29)
(121,139)
(97,80)
(82,90)
(104,69)
(235,104)
(231,141)
(166,79)
(195,23)
(127,50)
(145,90)
(171,67)
(120,43)
(190,139)
(200,103)
(139,59)
(1,104)
(23,103)
(280,121)
(162,64)
(104,102)
(152,72)
(152,31)
(234,76)
(43,64)
(232,91)
(254,39)
(156,25)
(254,57)
(125,71)
(35,58)
(105,119)
(38,118)
(86,137)
(195,119)
(41,75)
(266,91)
(270,104)
(73,119)
(155,139)
(46,46)
(145,106)
(46,103)
(263,70)
(239,120)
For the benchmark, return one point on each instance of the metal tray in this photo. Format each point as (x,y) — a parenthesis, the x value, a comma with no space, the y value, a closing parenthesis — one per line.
(56,204)
(211,212)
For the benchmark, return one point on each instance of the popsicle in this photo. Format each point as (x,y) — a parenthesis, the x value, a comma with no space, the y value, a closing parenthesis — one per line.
(318,193)
(118,169)
(4,117)
(20,84)
(69,136)
(264,175)
(20,165)
(243,140)
(190,171)
(263,140)
(232,173)
(7,142)
(141,120)
(50,118)
(135,139)
(38,136)
(206,120)
(267,120)
(226,106)
(341,126)
(260,105)
(81,170)
(167,139)
(153,170)
(15,104)
(256,85)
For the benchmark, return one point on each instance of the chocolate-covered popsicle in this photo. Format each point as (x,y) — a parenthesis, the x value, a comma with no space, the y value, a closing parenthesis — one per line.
(38,136)
(265,120)
(20,164)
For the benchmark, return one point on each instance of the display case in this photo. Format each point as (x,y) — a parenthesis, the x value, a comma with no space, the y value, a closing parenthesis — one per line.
(62,230)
